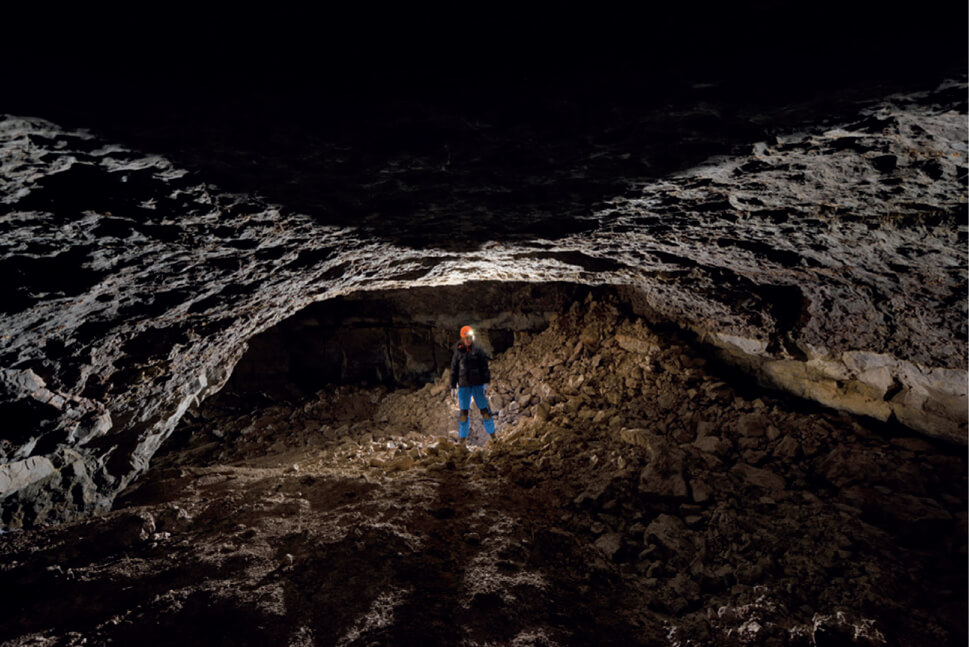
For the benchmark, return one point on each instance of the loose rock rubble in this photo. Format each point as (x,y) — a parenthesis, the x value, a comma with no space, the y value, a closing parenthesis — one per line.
(638,493)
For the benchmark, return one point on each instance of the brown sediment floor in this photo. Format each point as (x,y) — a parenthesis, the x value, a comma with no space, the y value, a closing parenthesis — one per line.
(635,495)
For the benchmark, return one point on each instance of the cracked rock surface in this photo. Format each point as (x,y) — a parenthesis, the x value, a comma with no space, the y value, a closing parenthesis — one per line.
(829,260)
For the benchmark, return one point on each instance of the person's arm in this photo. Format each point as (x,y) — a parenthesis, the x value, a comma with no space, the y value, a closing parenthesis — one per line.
(485,368)
(454,369)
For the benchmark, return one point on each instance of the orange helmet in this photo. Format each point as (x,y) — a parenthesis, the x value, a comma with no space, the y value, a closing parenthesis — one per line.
(466,332)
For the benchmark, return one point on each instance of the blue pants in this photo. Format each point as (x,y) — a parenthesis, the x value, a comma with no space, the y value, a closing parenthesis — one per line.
(464,403)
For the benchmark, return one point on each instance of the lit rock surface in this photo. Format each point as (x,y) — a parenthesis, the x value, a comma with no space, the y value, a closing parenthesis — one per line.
(830,262)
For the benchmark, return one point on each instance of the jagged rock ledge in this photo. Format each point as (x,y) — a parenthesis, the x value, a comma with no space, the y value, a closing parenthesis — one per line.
(930,400)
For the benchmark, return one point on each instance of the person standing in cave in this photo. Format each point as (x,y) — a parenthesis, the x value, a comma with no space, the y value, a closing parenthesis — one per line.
(470,376)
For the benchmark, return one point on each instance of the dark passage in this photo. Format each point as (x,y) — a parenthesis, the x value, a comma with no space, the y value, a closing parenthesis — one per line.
(393,337)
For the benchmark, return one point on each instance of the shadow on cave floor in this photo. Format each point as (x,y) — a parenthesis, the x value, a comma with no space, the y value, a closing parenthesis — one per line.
(453,175)
(632,497)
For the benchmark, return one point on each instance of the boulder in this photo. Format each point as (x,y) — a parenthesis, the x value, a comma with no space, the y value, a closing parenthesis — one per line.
(663,474)
(173,518)
(712,445)
(787,448)
(18,474)
(637,437)
(672,534)
(132,528)
(705,428)
(752,425)
(610,544)
(759,477)
(635,345)
(402,462)
(701,491)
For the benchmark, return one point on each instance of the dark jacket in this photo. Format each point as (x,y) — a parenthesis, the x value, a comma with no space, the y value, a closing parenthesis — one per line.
(469,366)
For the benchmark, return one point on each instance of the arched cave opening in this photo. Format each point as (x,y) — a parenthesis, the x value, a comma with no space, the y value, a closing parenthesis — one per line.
(398,337)
(349,350)
(342,356)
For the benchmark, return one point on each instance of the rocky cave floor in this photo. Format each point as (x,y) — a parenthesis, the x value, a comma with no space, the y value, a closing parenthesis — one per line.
(635,494)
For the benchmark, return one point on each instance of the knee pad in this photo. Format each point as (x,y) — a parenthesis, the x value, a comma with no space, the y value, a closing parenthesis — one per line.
(486,413)
(464,415)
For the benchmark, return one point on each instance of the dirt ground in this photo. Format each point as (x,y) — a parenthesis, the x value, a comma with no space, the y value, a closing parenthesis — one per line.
(635,494)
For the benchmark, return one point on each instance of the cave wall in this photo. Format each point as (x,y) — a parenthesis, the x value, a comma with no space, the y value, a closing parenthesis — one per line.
(930,399)
(830,258)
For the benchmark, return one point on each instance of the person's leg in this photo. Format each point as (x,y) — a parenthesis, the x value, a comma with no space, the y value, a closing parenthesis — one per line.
(464,404)
(481,400)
